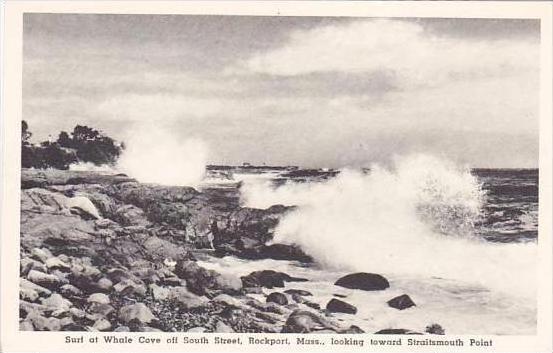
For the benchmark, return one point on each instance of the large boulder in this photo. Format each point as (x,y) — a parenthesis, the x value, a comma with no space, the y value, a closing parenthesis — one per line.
(338,306)
(363,281)
(276,252)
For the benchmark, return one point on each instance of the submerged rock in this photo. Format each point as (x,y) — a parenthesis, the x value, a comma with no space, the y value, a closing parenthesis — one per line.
(338,306)
(401,302)
(363,281)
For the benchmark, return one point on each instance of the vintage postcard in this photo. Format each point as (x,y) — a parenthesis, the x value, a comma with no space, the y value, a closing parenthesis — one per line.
(282,176)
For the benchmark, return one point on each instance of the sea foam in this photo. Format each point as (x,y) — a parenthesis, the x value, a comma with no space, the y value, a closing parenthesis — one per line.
(415,218)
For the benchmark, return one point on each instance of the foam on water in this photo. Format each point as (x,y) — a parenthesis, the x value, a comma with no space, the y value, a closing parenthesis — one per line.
(415,218)
(458,308)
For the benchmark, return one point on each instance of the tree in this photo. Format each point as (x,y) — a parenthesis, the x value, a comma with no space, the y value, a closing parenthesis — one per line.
(90,145)
(64,140)
(25,133)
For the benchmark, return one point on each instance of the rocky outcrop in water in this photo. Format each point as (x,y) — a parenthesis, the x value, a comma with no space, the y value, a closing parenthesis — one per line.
(401,302)
(363,281)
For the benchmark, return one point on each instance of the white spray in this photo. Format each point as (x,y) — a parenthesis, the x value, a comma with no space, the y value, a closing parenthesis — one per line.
(154,156)
(414,219)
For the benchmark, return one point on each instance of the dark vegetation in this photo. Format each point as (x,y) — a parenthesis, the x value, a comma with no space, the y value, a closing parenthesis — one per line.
(84,144)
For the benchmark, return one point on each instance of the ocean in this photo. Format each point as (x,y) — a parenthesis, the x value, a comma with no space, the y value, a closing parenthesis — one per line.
(460,242)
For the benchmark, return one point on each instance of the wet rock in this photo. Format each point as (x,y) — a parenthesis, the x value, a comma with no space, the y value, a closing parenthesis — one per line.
(136,312)
(269,279)
(435,329)
(397,331)
(298,292)
(338,306)
(401,302)
(302,321)
(276,252)
(363,281)
(277,298)
(99,298)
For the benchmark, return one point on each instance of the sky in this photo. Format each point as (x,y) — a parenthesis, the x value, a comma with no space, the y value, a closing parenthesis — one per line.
(308,91)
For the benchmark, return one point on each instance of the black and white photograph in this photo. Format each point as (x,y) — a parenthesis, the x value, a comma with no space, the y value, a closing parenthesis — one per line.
(191,173)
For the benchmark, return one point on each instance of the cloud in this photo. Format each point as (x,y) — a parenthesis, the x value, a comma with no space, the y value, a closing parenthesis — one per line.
(416,56)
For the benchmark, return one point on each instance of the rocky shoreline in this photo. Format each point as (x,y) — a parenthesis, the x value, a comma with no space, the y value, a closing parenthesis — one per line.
(104,252)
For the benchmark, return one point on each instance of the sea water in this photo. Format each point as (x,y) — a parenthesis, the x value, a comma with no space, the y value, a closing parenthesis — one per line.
(461,243)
